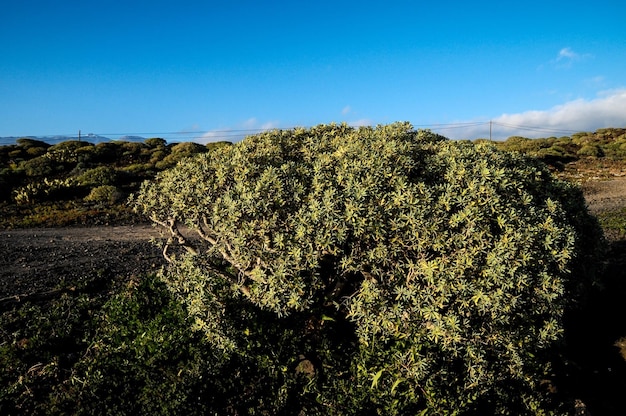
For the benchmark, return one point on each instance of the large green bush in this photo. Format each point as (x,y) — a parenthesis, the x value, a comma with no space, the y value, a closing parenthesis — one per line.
(411,273)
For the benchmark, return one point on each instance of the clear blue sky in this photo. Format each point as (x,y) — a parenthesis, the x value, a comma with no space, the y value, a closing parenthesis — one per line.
(196,69)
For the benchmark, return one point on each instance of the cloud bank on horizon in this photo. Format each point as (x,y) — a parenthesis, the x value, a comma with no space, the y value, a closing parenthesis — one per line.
(607,110)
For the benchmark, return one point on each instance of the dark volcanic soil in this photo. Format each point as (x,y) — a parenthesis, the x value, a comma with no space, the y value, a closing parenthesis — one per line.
(41,259)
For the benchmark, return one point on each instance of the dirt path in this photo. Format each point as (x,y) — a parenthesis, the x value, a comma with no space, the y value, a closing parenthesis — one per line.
(605,195)
(35,260)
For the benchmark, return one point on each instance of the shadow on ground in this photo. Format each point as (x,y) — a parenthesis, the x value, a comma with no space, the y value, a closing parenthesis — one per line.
(592,369)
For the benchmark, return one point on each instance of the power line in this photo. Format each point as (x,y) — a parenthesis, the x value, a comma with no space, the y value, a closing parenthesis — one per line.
(537,129)
(230,134)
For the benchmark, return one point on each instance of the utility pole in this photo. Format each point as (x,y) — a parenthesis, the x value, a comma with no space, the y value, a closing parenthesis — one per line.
(78,135)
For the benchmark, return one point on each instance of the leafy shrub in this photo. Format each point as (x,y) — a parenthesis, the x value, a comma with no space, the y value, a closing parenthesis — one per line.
(35,151)
(155,142)
(131,151)
(15,154)
(217,145)
(106,194)
(45,190)
(590,150)
(39,166)
(105,152)
(67,152)
(28,143)
(102,175)
(422,274)
(180,151)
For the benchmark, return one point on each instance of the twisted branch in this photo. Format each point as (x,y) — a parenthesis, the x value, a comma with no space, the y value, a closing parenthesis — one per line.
(181,240)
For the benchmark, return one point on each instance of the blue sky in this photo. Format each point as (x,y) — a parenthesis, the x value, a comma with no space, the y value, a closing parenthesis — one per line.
(209,70)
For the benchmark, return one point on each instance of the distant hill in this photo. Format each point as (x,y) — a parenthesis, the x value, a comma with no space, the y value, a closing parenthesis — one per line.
(92,138)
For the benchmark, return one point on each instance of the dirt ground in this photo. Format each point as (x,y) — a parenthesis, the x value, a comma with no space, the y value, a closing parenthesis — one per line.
(605,195)
(37,260)
(41,259)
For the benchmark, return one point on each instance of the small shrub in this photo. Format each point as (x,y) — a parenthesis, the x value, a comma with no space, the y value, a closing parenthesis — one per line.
(35,151)
(102,175)
(47,189)
(67,152)
(590,150)
(29,143)
(38,167)
(155,142)
(104,194)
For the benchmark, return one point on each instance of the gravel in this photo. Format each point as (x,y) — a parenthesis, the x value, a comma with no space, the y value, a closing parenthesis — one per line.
(42,259)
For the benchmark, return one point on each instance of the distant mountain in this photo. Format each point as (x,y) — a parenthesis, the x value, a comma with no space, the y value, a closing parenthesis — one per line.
(130,139)
(4,141)
(92,138)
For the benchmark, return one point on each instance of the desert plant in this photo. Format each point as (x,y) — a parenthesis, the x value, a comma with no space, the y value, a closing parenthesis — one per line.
(38,166)
(101,175)
(44,190)
(67,152)
(104,194)
(591,150)
(155,142)
(446,266)
(180,151)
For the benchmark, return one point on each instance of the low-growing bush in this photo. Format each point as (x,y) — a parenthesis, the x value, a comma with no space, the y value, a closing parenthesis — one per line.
(105,194)
(412,273)
(101,175)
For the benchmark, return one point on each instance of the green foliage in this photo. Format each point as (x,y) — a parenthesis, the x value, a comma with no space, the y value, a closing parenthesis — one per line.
(105,152)
(29,143)
(155,142)
(607,143)
(614,221)
(178,152)
(65,213)
(143,359)
(38,167)
(39,343)
(134,353)
(34,172)
(68,151)
(44,190)
(101,175)
(590,150)
(35,151)
(446,265)
(216,145)
(104,194)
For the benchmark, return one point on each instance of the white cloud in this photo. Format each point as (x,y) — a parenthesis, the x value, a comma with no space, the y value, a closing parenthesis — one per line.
(270,125)
(212,136)
(567,53)
(360,123)
(607,110)
(567,56)
(235,134)
(346,110)
(249,123)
